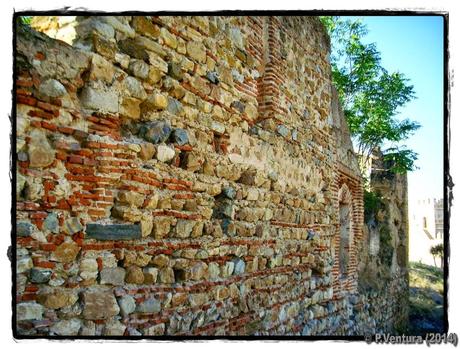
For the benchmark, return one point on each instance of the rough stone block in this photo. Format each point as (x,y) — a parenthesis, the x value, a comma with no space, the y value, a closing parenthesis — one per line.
(29,311)
(127,305)
(156,131)
(98,305)
(151,306)
(40,276)
(113,276)
(113,231)
(24,229)
(100,100)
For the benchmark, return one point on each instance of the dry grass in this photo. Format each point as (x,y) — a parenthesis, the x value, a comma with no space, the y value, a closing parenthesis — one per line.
(426,299)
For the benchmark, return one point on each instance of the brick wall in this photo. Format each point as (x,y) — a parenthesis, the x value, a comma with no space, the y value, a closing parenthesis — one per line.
(181,175)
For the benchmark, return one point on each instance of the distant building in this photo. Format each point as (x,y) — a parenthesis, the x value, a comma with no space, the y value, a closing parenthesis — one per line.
(426,229)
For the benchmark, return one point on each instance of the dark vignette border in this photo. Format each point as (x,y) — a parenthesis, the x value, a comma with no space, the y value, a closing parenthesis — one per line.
(448,182)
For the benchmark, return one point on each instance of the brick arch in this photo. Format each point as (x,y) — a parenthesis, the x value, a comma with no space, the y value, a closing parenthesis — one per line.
(349,193)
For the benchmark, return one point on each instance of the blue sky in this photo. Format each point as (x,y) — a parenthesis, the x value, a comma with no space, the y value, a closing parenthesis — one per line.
(414,46)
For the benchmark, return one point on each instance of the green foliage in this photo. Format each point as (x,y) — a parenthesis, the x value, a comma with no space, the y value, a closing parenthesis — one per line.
(437,250)
(372,204)
(25,19)
(369,94)
(400,160)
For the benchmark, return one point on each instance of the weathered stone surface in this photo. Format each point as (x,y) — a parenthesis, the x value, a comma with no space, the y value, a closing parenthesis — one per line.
(113,231)
(29,311)
(112,276)
(127,305)
(175,71)
(194,161)
(41,154)
(73,225)
(135,88)
(229,192)
(150,275)
(130,107)
(184,228)
(66,327)
(134,275)
(147,151)
(175,107)
(99,305)
(217,127)
(165,153)
(51,223)
(131,198)
(161,227)
(127,213)
(23,263)
(239,266)
(168,38)
(144,26)
(52,88)
(213,77)
(156,131)
(198,299)
(156,330)
(133,49)
(150,305)
(24,229)
(139,69)
(54,298)
(166,275)
(104,47)
(160,260)
(100,100)
(199,271)
(156,101)
(88,269)
(146,225)
(114,328)
(66,252)
(40,276)
(180,136)
(140,259)
(197,51)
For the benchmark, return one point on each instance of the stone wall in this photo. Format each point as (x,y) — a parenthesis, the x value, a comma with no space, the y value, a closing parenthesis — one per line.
(383,270)
(184,175)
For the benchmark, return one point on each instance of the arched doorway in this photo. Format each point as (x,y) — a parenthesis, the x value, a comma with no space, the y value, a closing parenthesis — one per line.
(345,231)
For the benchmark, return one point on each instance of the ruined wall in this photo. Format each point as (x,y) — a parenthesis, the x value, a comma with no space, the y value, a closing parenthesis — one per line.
(383,270)
(183,175)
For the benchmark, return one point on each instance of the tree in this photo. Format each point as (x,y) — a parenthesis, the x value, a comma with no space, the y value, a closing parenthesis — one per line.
(370,95)
(438,251)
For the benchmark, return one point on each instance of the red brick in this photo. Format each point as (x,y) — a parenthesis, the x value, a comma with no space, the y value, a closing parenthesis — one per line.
(41,114)
(23,92)
(66,130)
(49,126)
(31,288)
(40,56)
(26,100)
(75,159)
(24,83)
(48,247)
(28,297)
(45,264)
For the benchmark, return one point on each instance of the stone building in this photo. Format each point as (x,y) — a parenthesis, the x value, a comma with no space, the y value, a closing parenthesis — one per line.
(426,229)
(194,176)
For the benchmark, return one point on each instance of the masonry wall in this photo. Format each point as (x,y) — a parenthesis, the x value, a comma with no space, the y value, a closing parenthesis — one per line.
(183,175)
